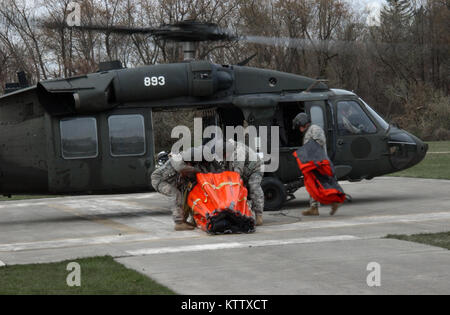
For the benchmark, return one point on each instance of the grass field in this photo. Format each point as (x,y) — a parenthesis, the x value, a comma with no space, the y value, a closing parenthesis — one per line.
(435,165)
(24,197)
(99,275)
(437,239)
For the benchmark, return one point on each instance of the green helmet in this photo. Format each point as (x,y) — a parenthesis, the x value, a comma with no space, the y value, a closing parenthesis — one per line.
(300,120)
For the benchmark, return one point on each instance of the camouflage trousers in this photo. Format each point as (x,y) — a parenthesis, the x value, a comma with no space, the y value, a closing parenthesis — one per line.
(175,197)
(255,193)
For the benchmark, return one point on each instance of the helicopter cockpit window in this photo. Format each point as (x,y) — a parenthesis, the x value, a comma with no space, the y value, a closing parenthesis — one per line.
(353,120)
(127,135)
(377,117)
(79,138)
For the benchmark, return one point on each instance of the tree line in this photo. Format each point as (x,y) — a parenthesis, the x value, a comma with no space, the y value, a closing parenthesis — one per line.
(399,63)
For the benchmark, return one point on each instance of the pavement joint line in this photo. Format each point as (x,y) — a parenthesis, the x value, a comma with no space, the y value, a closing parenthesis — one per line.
(57,200)
(102,240)
(359,221)
(89,241)
(237,245)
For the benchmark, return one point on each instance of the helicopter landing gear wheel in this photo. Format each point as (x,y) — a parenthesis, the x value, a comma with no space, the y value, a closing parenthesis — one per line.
(275,194)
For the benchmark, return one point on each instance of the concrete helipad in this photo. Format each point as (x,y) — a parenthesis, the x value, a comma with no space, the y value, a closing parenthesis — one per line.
(288,255)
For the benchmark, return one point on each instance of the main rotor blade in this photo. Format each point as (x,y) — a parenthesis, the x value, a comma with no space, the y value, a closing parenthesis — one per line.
(329,46)
(125,30)
(185,31)
(296,43)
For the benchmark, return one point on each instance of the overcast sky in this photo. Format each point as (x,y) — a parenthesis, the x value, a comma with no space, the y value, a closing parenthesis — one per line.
(363,3)
(372,6)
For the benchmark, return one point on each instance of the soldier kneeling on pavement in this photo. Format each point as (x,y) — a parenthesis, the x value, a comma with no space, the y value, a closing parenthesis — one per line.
(239,158)
(171,180)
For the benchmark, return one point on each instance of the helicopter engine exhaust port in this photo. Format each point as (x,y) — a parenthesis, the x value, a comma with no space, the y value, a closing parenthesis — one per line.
(79,94)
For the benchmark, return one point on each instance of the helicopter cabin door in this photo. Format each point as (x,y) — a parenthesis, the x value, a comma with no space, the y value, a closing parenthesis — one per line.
(105,152)
(360,142)
(291,139)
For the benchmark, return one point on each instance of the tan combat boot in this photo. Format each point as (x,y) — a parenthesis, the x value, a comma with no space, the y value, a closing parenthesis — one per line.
(259,220)
(334,207)
(192,222)
(183,226)
(313,211)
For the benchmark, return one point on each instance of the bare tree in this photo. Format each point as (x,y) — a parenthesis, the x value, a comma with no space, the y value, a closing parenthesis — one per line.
(18,14)
(398,65)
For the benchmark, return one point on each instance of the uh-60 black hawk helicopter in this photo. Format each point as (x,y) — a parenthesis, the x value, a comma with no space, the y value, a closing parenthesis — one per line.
(94,133)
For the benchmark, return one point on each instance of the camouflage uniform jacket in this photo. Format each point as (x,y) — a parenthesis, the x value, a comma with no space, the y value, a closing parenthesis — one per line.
(176,173)
(245,161)
(316,133)
(166,175)
(251,171)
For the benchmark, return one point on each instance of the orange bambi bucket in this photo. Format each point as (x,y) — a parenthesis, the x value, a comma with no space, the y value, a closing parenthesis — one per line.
(219,204)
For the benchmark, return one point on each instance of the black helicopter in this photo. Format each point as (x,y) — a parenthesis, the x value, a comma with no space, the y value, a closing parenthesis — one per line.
(94,133)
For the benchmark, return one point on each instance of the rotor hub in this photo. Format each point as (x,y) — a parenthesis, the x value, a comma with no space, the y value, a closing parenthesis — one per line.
(192,31)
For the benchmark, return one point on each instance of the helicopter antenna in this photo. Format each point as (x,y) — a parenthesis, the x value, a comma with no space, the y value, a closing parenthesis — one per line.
(246,61)
(315,83)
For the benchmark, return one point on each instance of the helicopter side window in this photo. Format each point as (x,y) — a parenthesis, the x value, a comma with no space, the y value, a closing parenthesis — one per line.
(317,116)
(353,120)
(127,135)
(79,138)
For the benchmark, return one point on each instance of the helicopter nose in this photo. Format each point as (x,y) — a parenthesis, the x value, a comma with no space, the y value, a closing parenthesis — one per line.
(406,150)
(422,149)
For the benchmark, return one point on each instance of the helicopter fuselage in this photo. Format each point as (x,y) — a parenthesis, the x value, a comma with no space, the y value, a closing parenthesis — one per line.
(94,133)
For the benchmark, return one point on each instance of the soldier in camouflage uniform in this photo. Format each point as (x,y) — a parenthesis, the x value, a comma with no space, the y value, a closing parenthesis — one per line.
(249,165)
(312,132)
(169,180)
